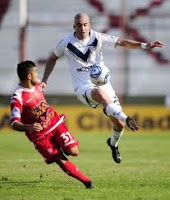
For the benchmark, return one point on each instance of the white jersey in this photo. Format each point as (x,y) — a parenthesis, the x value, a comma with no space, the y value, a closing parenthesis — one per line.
(82,55)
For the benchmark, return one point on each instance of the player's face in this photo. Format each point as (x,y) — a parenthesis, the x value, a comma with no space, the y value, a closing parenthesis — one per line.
(33,74)
(82,27)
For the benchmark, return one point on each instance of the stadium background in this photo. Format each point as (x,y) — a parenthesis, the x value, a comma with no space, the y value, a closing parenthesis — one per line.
(140,78)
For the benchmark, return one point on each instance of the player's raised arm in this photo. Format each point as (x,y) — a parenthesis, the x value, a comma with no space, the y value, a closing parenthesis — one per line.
(132,44)
(48,69)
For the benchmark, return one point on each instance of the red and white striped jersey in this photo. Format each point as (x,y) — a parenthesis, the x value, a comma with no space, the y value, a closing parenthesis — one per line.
(29,106)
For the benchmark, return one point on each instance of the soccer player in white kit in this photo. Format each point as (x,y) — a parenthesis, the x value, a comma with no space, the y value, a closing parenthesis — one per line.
(83,49)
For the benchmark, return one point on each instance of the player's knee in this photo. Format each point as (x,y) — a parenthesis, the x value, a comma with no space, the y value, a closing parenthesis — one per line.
(99,95)
(74,151)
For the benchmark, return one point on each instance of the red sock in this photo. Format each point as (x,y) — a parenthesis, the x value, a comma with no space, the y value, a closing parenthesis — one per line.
(73,171)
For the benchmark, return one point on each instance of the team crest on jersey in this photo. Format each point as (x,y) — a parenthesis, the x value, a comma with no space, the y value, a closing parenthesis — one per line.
(76,52)
(42,112)
(40,109)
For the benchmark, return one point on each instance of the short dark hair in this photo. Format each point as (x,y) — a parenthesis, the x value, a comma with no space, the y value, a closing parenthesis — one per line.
(23,69)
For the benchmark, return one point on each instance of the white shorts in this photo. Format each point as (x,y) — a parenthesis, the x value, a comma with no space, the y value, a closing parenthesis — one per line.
(83,93)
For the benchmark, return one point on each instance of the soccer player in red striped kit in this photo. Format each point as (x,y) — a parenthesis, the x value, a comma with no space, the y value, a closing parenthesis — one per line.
(43,126)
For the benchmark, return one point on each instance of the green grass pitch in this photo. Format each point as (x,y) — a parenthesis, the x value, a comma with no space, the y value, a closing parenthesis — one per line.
(144,173)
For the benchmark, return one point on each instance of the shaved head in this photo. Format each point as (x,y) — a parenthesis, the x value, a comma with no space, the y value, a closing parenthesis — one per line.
(82,26)
(79,16)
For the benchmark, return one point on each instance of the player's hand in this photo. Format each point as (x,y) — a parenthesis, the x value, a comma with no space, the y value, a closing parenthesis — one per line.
(152,45)
(43,86)
(35,127)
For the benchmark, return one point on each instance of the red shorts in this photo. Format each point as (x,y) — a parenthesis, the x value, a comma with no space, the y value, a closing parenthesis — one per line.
(60,139)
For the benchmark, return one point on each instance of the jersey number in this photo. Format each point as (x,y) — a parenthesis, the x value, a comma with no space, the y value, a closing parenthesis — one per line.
(68,139)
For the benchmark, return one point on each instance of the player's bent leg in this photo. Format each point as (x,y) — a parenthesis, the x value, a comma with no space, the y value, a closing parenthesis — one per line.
(74,151)
(115,152)
(112,108)
(115,110)
(100,96)
(112,142)
(117,125)
(72,170)
(66,141)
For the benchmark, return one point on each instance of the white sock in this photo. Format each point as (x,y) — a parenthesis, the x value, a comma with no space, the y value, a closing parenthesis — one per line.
(115,110)
(115,137)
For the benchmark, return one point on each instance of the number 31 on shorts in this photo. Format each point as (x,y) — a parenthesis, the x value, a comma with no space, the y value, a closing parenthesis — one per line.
(67,138)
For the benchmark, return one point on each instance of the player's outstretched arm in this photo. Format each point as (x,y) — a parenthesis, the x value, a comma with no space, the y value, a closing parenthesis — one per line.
(132,44)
